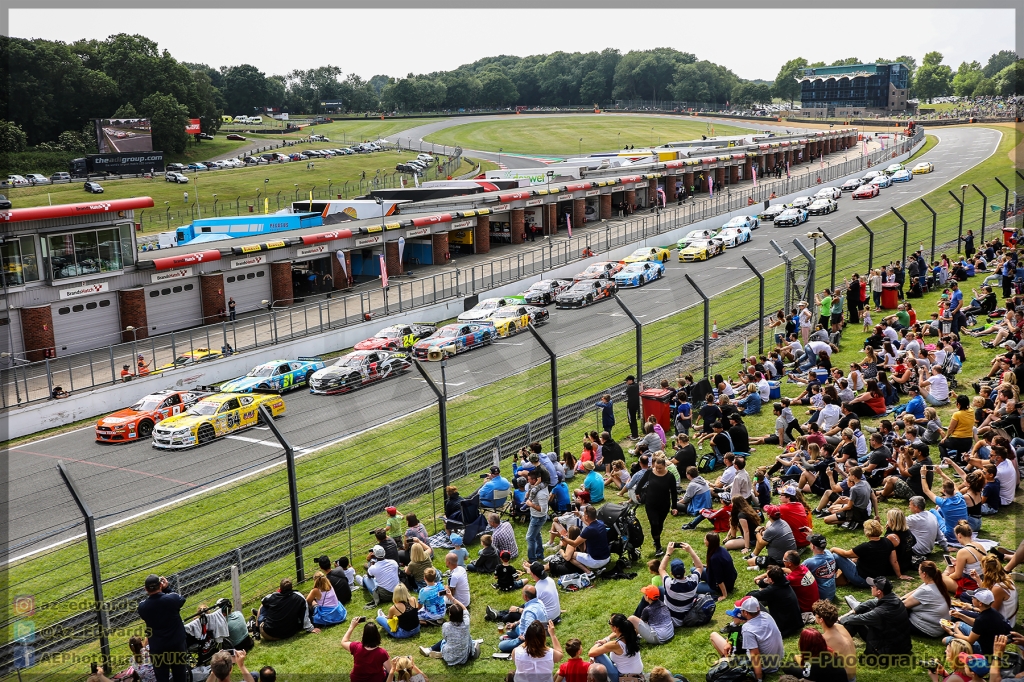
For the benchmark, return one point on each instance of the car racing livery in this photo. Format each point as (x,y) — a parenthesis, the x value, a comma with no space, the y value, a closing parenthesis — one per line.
(882,181)
(923,167)
(213,417)
(748,221)
(192,357)
(902,175)
(648,253)
(137,422)
(275,375)
(485,308)
(828,193)
(865,191)
(696,235)
(773,212)
(851,185)
(791,217)
(891,169)
(602,270)
(512,319)
(544,291)
(822,206)
(453,339)
(639,274)
(396,336)
(357,369)
(585,293)
(702,250)
(734,236)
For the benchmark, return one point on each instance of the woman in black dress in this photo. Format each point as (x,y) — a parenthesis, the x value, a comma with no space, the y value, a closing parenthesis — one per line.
(660,495)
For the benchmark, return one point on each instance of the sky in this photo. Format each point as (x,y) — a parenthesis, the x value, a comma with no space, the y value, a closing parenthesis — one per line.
(221,37)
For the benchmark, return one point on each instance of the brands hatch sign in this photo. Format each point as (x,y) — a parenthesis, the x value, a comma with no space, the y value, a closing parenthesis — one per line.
(180,273)
(248,261)
(84,291)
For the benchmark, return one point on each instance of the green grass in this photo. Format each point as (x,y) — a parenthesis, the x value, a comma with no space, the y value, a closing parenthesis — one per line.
(560,135)
(353,131)
(473,418)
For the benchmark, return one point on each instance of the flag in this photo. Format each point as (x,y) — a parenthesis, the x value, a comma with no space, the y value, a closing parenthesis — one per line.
(568,223)
(661,194)
(711,186)
(787,169)
(821,159)
(401,249)
(310,200)
(753,174)
(383,272)
(341,261)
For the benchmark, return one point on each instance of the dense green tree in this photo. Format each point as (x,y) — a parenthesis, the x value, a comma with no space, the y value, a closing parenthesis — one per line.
(497,89)
(12,137)
(1010,81)
(168,118)
(245,89)
(849,61)
(786,85)
(126,110)
(967,78)
(933,78)
(999,61)
(462,90)
(703,82)
(648,74)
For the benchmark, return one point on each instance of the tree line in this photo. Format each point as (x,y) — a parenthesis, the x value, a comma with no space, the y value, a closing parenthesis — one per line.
(55,88)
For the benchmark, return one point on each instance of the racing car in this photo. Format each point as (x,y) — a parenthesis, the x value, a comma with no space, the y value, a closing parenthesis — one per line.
(396,336)
(603,270)
(192,357)
(773,211)
(923,167)
(639,274)
(276,375)
(648,253)
(453,339)
(213,417)
(822,206)
(137,422)
(485,308)
(511,319)
(696,235)
(881,181)
(544,291)
(791,216)
(358,369)
(802,202)
(828,193)
(865,191)
(585,293)
(748,221)
(902,175)
(702,249)
(734,236)
(892,168)
(851,185)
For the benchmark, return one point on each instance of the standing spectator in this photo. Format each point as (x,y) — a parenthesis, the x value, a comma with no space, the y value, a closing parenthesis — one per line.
(534,660)
(761,638)
(660,496)
(231,309)
(370,662)
(632,409)
(619,652)
(882,621)
(537,500)
(607,413)
(283,613)
(161,611)
(969,249)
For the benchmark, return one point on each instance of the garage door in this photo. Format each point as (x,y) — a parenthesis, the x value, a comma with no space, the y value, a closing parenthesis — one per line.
(11,340)
(86,323)
(173,305)
(248,287)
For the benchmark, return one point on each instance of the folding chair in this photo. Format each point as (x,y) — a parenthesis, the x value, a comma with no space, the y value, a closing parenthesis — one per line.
(500,498)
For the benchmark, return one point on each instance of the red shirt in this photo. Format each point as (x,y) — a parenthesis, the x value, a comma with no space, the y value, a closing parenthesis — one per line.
(368,664)
(877,403)
(795,515)
(806,588)
(574,670)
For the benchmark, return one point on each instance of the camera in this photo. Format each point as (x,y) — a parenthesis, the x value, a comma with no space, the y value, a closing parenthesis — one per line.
(484,475)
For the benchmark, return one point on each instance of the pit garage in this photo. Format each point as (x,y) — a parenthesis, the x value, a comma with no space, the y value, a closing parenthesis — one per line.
(248,286)
(86,322)
(308,276)
(172,305)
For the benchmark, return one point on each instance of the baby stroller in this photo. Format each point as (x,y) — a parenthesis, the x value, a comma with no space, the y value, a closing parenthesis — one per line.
(200,642)
(472,524)
(625,534)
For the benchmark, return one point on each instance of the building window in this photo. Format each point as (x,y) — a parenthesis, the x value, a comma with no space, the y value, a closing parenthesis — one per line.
(189,287)
(154,293)
(19,262)
(89,252)
(260,273)
(91,305)
(63,311)
(77,308)
(230,280)
(105,303)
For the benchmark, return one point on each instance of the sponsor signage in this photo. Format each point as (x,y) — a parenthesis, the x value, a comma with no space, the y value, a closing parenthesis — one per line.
(317,250)
(84,291)
(534,202)
(248,261)
(418,232)
(250,248)
(459,224)
(369,241)
(326,236)
(592,193)
(279,244)
(628,185)
(193,127)
(186,259)
(499,208)
(177,273)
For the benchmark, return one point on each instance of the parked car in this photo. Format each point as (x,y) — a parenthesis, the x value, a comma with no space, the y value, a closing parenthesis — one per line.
(425,158)
(5,203)
(17,180)
(172,176)
(93,188)
(235,136)
(179,167)
(197,166)
(37,179)
(205,136)
(60,177)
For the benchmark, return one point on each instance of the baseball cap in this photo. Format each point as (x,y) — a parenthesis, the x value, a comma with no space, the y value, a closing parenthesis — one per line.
(789,491)
(505,555)
(678,568)
(734,613)
(749,604)
(984,596)
(152,582)
(651,592)
(976,663)
(537,568)
(773,511)
(883,585)
(818,540)
(391,510)
(378,551)
(495,470)
(455,539)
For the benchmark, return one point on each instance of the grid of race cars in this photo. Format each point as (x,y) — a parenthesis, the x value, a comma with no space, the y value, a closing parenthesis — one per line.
(181,419)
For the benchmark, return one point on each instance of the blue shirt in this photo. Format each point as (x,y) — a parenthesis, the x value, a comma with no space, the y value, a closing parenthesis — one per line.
(952,510)
(607,415)
(462,553)
(751,404)
(596,535)
(560,497)
(487,490)
(916,407)
(956,300)
(823,568)
(533,610)
(594,483)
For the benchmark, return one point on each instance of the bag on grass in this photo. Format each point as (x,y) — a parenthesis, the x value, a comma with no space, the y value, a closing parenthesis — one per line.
(700,613)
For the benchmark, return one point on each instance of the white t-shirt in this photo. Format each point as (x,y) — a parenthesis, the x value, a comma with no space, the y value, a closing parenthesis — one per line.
(762,633)
(939,387)
(1007,477)
(385,574)
(459,584)
(547,592)
(530,669)
(765,390)
(805,318)
(829,417)
(890,333)
(818,346)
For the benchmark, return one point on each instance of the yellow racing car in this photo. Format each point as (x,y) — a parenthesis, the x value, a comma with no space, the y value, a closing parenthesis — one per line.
(512,319)
(701,249)
(648,253)
(213,417)
(922,168)
(189,358)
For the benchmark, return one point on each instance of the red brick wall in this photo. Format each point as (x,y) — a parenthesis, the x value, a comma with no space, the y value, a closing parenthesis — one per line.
(391,257)
(734,174)
(281,284)
(439,246)
(719,178)
(579,212)
(341,277)
(652,191)
(211,292)
(630,198)
(37,331)
(606,206)
(550,219)
(517,221)
(482,234)
(670,188)
(131,303)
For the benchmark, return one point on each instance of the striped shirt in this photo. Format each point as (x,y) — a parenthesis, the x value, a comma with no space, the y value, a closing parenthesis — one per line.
(680,593)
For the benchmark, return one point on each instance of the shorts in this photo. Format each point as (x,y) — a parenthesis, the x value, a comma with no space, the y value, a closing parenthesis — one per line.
(764,561)
(836,319)
(856,515)
(902,490)
(592,564)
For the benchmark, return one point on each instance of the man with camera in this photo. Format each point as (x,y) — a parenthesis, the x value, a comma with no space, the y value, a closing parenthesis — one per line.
(223,661)
(495,483)
(161,611)
(537,502)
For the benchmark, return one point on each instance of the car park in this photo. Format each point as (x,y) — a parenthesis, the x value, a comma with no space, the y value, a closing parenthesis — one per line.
(136,422)
(425,158)
(892,168)
(509,320)
(5,203)
(197,166)
(923,167)
(881,181)
(544,291)
(772,212)
(318,138)
(748,221)
(172,176)
(236,136)
(275,375)
(791,217)
(485,308)
(822,206)
(866,191)
(648,253)
(357,369)
(601,270)
(233,163)
(828,192)
(396,336)
(802,202)
(214,417)
(701,249)
(853,184)
(639,274)
(37,179)
(453,339)
(179,167)
(17,180)
(585,292)
(902,175)
(734,236)
(93,188)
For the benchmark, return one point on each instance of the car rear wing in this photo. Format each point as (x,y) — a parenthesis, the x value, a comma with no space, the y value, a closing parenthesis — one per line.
(203,391)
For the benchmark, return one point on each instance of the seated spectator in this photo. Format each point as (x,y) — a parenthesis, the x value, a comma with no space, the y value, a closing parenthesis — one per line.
(926,529)
(534,660)
(950,508)
(431,598)
(696,498)
(954,667)
(815,660)
(419,562)
(559,499)
(505,575)
(456,646)
(776,595)
(223,661)
(339,578)
(995,578)
(935,388)
(495,483)
(387,543)
(486,558)
(870,403)
(283,613)
(403,618)
(826,616)
(594,539)
(795,513)
(929,603)
(960,434)
(238,631)
(458,579)
(822,566)
(776,538)
(460,552)
(404,670)
(592,491)
(959,577)
(751,404)
(760,638)
(533,609)
(641,467)
(852,512)
(882,621)
(980,626)
(654,624)
(324,607)
(801,580)
(617,476)
(452,504)
(381,577)
(680,585)
(719,575)
(503,536)
(574,669)
(906,483)
(743,525)
(370,662)
(875,557)
(619,652)
(415,531)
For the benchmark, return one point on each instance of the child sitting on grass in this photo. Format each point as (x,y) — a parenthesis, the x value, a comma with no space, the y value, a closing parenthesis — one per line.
(506,576)
(486,558)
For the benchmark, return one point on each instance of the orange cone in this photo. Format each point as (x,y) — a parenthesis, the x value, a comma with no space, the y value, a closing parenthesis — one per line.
(714,329)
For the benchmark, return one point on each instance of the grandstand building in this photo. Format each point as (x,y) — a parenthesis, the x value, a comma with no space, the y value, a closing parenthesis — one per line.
(854,90)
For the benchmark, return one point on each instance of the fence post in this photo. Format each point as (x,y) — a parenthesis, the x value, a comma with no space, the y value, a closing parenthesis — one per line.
(960,226)
(760,305)
(556,431)
(707,325)
(811,271)
(902,220)
(832,281)
(293,491)
(984,206)
(871,243)
(442,413)
(1006,200)
(935,217)
(639,338)
(94,559)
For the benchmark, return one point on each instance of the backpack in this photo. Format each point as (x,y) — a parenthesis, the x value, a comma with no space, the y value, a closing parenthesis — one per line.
(700,612)
(574,582)
(708,463)
(951,364)
(723,672)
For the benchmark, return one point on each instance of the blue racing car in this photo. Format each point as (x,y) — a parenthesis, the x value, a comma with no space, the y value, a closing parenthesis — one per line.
(276,375)
(639,274)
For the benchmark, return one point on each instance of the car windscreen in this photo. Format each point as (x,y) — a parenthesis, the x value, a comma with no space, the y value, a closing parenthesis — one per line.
(388,334)
(348,361)
(447,333)
(203,409)
(145,405)
(261,371)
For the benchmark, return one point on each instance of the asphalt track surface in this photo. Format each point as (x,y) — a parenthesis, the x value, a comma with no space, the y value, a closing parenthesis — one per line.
(125,480)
